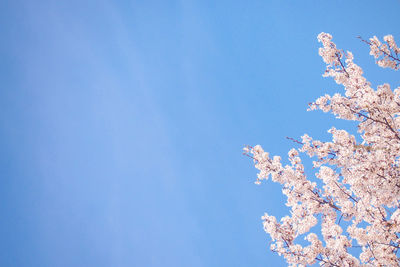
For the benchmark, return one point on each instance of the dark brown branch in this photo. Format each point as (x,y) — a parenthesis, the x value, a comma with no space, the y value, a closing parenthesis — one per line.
(384,52)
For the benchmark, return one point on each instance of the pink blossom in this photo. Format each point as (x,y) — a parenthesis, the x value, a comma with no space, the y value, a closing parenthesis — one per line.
(360,180)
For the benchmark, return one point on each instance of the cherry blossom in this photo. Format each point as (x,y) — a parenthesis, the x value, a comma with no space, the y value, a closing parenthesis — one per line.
(358,202)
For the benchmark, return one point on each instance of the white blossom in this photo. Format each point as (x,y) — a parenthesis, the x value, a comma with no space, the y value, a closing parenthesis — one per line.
(360,180)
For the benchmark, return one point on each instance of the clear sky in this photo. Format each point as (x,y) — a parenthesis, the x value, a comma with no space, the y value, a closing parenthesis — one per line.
(122,123)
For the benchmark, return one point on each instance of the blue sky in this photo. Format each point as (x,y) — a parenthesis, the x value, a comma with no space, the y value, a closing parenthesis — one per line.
(122,123)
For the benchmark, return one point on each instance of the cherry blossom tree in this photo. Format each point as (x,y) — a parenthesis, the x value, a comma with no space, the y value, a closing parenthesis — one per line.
(355,195)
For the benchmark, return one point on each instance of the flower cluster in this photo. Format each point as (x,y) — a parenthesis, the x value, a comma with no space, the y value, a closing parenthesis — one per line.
(360,180)
(387,54)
